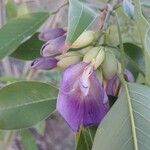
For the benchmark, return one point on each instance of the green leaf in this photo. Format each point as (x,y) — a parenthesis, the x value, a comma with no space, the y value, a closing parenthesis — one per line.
(135,57)
(81,16)
(23,104)
(29,50)
(86,137)
(127,124)
(143,27)
(28,140)
(147,56)
(146,9)
(17,30)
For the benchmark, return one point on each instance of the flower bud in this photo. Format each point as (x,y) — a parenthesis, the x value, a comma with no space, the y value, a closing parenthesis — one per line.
(91,54)
(99,58)
(53,47)
(84,39)
(71,53)
(97,54)
(119,68)
(109,66)
(69,60)
(44,63)
(50,34)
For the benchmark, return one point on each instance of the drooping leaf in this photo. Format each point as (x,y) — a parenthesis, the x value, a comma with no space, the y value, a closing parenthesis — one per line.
(81,16)
(143,27)
(23,104)
(127,125)
(145,4)
(17,30)
(135,57)
(29,50)
(147,56)
(28,140)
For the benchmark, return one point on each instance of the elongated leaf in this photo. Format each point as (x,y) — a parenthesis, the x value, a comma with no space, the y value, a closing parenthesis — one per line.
(143,27)
(127,125)
(80,17)
(29,50)
(28,140)
(23,104)
(17,30)
(135,57)
(147,56)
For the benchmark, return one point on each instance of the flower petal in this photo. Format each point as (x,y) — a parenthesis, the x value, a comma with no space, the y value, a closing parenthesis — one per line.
(71,108)
(50,34)
(112,86)
(95,103)
(128,75)
(69,103)
(71,74)
(44,63)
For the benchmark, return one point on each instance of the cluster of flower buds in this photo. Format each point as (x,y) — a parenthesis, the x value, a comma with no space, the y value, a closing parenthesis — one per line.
(89,76)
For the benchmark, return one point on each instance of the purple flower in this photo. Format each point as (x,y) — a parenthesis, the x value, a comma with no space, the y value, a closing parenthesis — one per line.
(54,47)
(128,75)
(50,34)
(44,63)
(112,86)
(81,99)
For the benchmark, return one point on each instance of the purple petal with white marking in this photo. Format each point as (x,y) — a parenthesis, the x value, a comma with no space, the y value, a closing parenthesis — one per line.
(95,103)
(81,99)
(68,101)
(44,63)
(50,34)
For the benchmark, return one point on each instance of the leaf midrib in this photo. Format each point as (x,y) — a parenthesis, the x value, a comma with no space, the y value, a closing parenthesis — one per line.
(29,103)
(133,127)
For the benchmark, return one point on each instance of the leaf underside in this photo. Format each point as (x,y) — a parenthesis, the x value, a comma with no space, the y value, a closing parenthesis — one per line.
(115,131)
(81,16)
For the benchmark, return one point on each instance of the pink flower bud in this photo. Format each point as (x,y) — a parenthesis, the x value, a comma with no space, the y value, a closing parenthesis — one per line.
(44,63)
(50,34)
(54,47)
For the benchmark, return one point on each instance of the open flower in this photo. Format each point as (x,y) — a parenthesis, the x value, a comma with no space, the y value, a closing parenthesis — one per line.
(81,99)
(44,63)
